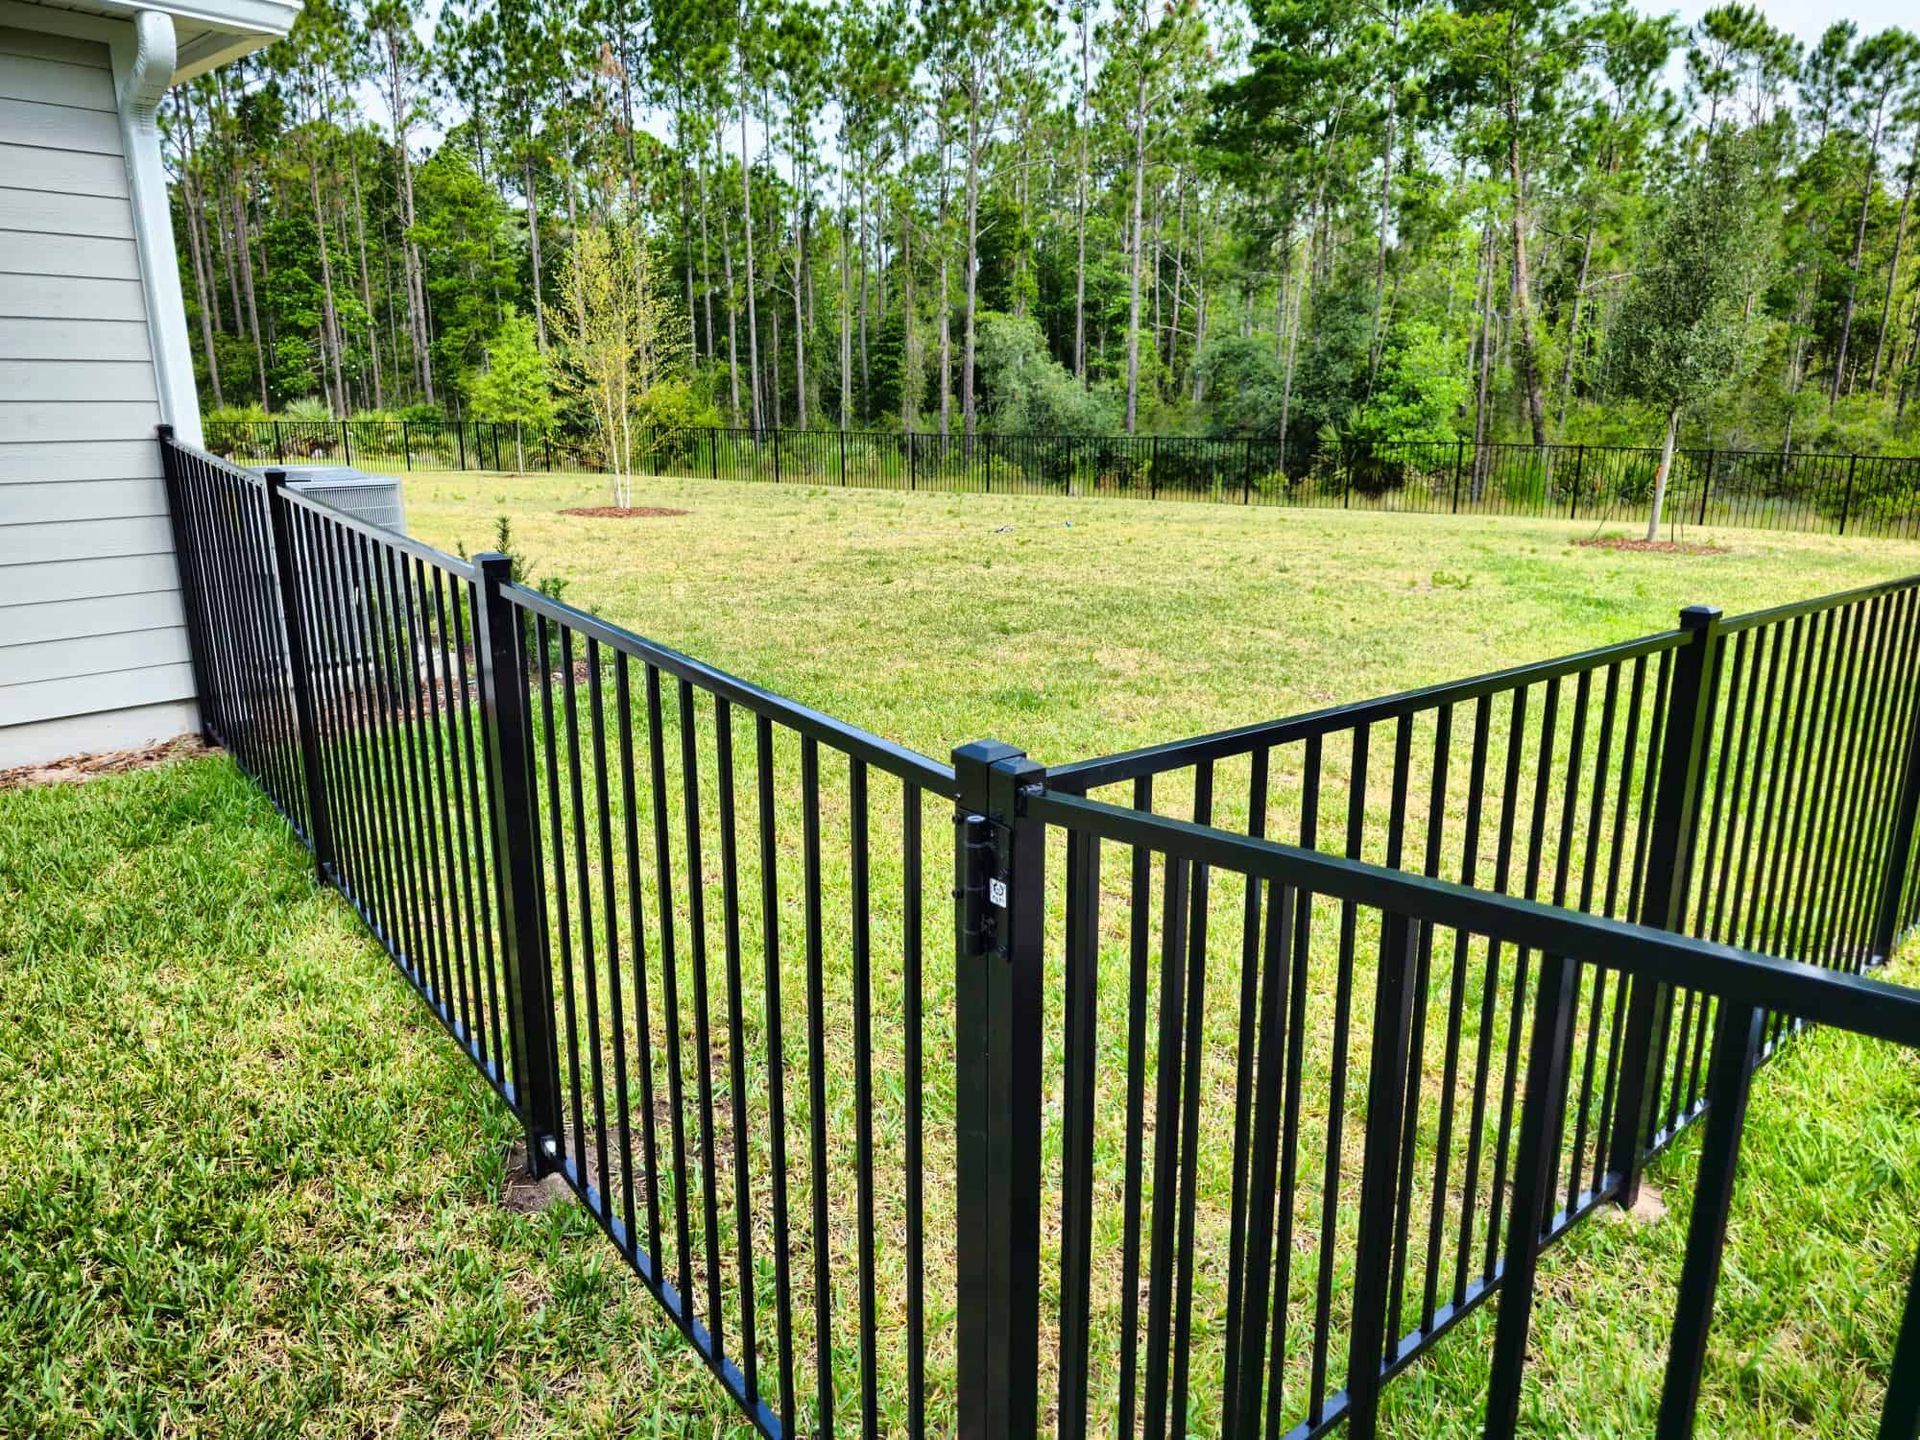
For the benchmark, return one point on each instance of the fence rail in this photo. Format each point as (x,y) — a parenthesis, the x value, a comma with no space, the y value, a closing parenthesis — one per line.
(1320,1096)
(1876,495)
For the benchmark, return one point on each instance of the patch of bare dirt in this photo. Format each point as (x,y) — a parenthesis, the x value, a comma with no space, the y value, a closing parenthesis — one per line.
(1651,1207)
(1651,547)
(76,768)
(623,512)
(524,1195)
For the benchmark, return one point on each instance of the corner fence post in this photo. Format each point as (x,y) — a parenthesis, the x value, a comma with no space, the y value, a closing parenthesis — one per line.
(187,561)
(1893,880)
(1663,905)
(999,925)
(294,634)
(523,931)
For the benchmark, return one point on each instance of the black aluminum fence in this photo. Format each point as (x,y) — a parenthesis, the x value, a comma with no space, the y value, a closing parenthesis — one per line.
(1318,1098)
(1876,495)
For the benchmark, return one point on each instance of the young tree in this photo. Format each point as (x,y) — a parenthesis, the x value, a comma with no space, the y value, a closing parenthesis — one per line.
(1681,336)
(514,388)
(621,333)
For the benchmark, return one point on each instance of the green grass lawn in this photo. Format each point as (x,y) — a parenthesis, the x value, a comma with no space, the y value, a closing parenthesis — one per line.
(1082,627)
(297,1228)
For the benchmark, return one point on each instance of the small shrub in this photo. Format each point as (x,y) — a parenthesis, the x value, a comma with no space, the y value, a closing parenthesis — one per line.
(307,407)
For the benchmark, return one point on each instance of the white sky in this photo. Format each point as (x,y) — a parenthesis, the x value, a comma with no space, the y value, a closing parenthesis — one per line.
(1805,19)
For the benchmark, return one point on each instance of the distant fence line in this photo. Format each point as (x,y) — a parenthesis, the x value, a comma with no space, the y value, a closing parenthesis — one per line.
(1876,495)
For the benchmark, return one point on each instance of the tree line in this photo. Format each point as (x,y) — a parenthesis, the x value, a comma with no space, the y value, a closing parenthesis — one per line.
(1317,220)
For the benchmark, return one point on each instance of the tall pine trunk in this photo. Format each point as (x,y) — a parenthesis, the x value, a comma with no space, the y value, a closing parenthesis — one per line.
(1660,476)
(532,189)
(1853,280)
(1893,269)
(1139,249)
(972,256)
(1573,324)
(1080,209)
(746,213)
(1523,322)
(366,286)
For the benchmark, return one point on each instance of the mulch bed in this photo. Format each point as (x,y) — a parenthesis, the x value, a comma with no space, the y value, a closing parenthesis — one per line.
(75,768)
(1651,547)
(623,512)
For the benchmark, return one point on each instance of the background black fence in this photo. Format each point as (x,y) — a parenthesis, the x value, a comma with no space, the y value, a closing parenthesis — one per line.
(1843,494)
(1378,1001)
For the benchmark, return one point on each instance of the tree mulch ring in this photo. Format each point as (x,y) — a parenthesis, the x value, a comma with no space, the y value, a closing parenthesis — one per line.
(623,512)
(75,768)
(1650,547)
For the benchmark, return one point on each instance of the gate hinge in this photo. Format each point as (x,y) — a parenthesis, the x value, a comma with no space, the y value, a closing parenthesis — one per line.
(983,890)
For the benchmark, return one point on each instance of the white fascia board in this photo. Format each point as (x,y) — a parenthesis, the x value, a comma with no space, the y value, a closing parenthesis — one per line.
(214,31)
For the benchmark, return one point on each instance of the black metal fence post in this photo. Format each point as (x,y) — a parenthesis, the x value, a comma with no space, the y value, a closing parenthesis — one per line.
(1000,916)
(843,457)
(346,443)
(1669,867)
(279,444)
(523,933)
(294,633)
(1548,1055)
(1459,460)
(1846,500)
(1736,1046)
(406,444)
(913,464)
(1893,880)
(460,439)
(1900,1417)
(187,559)
(1706,488)
(1380,1170)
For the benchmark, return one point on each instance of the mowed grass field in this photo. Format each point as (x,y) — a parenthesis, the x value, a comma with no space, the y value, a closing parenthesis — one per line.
(1083,627)
(296,1228)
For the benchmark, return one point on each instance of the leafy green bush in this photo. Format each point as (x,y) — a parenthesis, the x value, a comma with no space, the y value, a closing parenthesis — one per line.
(307,407)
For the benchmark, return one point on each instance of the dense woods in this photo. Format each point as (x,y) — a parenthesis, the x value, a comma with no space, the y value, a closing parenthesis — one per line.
(1303,219)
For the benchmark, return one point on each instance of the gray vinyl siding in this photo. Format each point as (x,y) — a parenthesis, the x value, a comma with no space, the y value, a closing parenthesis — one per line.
(90,617)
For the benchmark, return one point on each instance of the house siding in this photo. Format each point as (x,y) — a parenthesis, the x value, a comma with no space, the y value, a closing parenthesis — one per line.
(93,649)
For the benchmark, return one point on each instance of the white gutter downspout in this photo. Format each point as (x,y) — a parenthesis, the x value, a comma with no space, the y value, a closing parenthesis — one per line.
(144,80)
